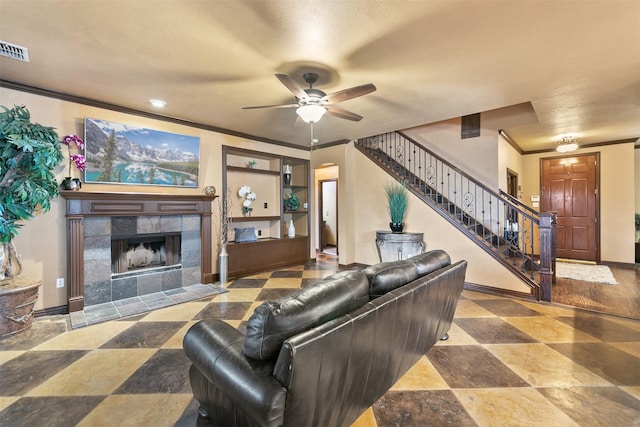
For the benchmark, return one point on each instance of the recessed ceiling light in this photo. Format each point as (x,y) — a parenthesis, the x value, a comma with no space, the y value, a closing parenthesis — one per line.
(158,103)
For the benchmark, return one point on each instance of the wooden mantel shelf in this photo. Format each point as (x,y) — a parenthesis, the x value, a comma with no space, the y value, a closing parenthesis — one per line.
(83,203)
(117,204)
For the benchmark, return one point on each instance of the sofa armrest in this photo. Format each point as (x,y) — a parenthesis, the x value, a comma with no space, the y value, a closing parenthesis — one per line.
(215,348)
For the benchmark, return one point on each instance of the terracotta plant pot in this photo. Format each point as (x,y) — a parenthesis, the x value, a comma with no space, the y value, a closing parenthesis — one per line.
(17,299)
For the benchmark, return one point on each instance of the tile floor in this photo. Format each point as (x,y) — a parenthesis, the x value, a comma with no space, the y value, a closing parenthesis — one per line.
(508,362)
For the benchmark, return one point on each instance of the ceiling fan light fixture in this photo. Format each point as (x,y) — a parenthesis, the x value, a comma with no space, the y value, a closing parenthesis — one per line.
(311,113)
(568,144)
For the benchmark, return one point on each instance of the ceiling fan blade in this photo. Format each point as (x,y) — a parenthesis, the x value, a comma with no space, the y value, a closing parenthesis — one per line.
(272,106)
(295,89)
(353,92)
(332,110)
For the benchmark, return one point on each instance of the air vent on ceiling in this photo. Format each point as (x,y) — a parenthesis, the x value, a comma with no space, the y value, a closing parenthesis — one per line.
(14,51)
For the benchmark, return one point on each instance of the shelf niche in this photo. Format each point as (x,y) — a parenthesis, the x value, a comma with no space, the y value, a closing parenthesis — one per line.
(273,248)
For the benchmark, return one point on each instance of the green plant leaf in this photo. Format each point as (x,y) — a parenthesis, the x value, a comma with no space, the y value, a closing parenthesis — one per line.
(28,154)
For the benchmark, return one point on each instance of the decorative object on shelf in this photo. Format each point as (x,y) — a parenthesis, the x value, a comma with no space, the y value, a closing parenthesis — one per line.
(292,229)
(287,175)
(210,190)
(291,202)
(69,183)
(397,201)
(226,203)
(30,152)
(249,196)
(396,227)
(72,184)
(252,164)
(243,235)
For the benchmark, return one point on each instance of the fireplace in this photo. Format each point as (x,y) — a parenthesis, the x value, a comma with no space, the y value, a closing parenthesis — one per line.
(123,245)
(142,253)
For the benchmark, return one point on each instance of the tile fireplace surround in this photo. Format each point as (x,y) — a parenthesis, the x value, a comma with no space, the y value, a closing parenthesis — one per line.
(89,222)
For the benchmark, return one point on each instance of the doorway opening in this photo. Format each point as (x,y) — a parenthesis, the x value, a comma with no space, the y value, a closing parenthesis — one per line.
(328,207)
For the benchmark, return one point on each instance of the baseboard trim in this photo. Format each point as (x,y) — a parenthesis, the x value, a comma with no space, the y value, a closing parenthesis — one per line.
(499,292)
(51,311)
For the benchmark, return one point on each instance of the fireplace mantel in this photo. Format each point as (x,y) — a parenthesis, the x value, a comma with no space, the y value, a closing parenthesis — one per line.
(80,204)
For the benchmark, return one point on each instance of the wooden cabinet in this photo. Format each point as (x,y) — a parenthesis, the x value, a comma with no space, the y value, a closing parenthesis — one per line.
(263,173)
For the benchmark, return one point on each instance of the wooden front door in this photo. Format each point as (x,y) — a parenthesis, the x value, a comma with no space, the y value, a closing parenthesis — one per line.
(570,188)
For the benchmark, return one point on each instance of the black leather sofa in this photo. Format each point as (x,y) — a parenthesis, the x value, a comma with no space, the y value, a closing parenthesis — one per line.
(324,354)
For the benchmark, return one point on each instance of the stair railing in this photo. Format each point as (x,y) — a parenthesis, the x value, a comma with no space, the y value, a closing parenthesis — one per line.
(503,226)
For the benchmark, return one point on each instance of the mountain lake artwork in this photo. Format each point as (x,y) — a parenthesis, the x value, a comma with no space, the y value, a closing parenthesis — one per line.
(121,154)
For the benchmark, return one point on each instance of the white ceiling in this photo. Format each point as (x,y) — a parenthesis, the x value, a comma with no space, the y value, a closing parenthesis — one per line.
(576,63)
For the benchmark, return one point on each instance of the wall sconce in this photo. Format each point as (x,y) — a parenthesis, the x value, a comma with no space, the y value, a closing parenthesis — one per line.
(568,143)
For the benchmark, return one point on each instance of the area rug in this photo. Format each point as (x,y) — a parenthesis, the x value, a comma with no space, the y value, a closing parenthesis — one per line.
(585,272)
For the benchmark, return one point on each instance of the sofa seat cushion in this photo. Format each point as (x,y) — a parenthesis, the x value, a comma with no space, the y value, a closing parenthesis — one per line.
(275,321)
(386,276)
(430,261)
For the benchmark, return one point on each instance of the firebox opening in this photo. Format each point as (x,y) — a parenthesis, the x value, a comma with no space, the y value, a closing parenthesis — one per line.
(141,252)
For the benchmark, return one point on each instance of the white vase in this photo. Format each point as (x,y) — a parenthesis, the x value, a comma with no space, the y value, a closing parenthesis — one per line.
(292,229)
(223,271)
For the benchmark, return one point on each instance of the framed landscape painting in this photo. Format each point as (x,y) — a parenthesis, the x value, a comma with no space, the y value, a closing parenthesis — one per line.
(121,154)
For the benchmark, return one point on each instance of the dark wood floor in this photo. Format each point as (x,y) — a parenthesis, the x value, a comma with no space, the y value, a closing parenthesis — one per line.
(622,299)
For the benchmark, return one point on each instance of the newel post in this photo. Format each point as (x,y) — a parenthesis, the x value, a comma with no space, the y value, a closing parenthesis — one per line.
(547,254)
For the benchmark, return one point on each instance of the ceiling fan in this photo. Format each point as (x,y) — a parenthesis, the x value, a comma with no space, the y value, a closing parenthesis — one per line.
(314,103)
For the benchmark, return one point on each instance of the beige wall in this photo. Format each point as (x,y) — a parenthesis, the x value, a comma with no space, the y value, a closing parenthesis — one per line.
(476,156)
(42,241)
(617,196)
(508,158)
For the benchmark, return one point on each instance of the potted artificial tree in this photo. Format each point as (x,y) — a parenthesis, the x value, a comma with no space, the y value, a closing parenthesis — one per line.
(28,154)
(397,201)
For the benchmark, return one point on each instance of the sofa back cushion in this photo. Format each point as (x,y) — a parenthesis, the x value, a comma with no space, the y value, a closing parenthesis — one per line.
(430,261)
(386,276)
(275,321)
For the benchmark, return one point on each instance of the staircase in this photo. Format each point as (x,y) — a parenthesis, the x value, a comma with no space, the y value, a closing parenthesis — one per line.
(520,238)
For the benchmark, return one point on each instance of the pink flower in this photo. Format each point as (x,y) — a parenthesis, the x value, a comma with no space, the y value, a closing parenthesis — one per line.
(78,159)
(75,139)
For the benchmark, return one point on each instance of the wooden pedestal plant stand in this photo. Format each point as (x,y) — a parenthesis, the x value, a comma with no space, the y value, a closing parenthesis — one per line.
(28,154)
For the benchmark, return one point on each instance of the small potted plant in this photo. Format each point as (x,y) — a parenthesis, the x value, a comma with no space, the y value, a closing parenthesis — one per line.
(249,196)
(69,183)
(252,164)
(29,152)
(397,201)
(291,202)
